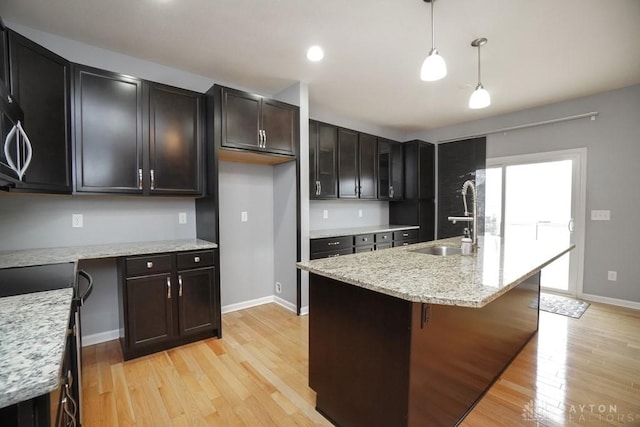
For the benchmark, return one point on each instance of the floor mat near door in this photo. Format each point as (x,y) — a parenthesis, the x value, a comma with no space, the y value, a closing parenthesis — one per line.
(561,305)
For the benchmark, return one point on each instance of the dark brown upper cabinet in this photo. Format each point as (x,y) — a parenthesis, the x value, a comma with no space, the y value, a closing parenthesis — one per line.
(4,54)
(135,137)
(252,122)
(175,163)
(108,132)
(390,170)
(357,158)
(418,205)
(40,83)
(323,160)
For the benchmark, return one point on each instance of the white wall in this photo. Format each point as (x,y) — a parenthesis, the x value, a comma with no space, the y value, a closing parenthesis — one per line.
(246,248)
(346,213)
(613,152)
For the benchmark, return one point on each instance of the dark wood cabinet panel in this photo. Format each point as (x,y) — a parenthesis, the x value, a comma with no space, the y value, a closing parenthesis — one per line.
(175,140)
(457,162)
(323,160)
(240,119)
(164,305)
(108,132)
(347,164)
(279,124)
(251,122)
(390,170)
(149,310)
(4,54)
(418,206)
(367,165)
(40,83)
(196,301)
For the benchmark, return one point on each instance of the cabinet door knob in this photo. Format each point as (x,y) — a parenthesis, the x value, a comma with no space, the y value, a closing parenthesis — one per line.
(168,287)
(196,259)
(149,264)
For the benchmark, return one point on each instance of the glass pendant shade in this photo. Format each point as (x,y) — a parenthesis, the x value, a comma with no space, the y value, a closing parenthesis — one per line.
(480,98)
(433,68)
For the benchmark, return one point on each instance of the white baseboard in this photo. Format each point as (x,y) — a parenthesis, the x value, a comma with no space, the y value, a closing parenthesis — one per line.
(259,301)
(304,311)
(611,301)
(100,337)
(246,304)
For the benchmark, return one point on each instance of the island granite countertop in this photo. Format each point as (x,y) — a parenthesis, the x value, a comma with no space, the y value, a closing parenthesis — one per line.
(33,331)
(469,281)
(27,257)
(352,231)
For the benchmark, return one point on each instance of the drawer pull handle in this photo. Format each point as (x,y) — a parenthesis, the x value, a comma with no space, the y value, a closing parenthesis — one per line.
(180,285)
(364,239)
(333,243)
(333,256)
(149,264)
(168,287)
(385,237)
(196,259)
(405,234)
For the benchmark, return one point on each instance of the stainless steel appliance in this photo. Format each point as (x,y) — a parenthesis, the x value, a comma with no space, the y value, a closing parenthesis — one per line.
(64,405)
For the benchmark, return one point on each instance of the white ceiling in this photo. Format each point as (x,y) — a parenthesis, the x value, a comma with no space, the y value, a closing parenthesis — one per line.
(538,51)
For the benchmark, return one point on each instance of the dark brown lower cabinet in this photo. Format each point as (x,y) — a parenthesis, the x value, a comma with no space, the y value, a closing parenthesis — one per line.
(166,300)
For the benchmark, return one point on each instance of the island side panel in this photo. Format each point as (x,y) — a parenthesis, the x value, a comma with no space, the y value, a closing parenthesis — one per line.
(460,352)
(359,343)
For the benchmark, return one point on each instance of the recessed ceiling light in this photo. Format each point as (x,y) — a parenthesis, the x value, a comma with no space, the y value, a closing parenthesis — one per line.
(315,54)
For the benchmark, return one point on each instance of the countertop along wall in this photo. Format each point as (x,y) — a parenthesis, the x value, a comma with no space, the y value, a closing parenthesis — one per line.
(613,152)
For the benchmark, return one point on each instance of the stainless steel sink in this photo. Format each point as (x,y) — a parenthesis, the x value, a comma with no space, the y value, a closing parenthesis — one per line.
(439,250)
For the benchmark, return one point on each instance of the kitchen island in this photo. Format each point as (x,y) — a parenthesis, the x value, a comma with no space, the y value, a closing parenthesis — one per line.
(399,337)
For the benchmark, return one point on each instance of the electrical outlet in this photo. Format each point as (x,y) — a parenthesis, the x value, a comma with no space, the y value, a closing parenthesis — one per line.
(244,216)
(600,215)
(278,287)
(360,213)
(182,218)
(325,214)
(612,276)
(76,220)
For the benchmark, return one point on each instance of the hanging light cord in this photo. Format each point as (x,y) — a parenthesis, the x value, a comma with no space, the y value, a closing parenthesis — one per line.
(479,80)
(433,30)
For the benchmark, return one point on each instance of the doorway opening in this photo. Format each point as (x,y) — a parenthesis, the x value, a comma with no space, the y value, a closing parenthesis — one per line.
(541,197)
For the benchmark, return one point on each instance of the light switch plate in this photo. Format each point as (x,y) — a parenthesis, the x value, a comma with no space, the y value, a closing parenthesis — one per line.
(612,276)
(360,213)
(244,216)
(600,215)
(325,214)
(182,218)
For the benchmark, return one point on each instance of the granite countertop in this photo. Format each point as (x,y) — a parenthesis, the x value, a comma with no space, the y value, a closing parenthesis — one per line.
(469,281)
(336,232)
(33,331)
(29,257)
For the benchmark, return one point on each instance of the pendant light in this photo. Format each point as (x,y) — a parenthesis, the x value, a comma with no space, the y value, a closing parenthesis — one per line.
(480,98)
(433,68)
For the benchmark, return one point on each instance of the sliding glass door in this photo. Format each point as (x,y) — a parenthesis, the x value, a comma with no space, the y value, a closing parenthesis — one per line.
(540,198)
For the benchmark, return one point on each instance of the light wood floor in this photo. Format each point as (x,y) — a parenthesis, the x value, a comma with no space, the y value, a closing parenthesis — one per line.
(575,372)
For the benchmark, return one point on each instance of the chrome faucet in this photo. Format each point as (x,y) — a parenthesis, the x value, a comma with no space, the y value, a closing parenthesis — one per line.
(469,216)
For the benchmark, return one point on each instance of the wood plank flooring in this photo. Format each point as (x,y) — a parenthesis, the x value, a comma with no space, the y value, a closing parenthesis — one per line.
(576,372)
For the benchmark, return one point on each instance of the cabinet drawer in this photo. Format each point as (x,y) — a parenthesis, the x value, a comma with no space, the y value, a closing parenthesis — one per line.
(385,237)
(405,234)
(330,254)
(363,248)
(404,242)
(188,260)
(331,243)
(363,239)
(151,264)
